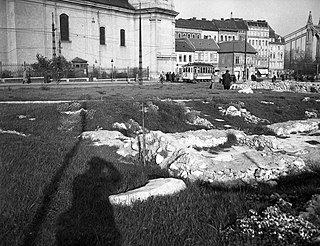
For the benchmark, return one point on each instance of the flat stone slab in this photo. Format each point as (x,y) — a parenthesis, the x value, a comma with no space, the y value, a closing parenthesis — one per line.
(155,187)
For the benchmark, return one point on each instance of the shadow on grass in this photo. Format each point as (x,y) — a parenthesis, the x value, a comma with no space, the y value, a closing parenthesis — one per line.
(90,220)
(50,191)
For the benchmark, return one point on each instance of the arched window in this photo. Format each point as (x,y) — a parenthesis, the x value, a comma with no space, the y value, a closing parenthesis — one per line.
(122,37)
(102,35)
(64,27)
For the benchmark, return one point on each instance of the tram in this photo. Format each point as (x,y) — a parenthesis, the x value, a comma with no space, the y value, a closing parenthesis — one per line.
(197,72)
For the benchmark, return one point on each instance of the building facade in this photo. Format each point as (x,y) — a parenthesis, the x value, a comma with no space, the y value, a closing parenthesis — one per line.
(94,30)
(238,57)
(276,54)
(196,50)
(258,37)
(256,33)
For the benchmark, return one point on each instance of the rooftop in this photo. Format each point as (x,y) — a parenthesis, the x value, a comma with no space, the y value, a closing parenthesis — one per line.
(117,3)
(236,47)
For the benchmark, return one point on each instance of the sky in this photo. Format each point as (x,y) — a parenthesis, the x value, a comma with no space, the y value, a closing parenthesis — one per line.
(284,16)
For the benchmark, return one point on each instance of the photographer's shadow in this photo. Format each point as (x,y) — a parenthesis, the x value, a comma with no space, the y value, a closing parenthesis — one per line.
(90,220)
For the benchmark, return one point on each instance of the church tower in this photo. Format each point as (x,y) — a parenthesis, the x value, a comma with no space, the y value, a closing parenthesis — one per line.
(309,38)
(158,34)
(147,4)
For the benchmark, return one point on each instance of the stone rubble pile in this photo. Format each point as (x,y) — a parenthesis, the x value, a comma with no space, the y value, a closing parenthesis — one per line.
(278,86)
(294,126)
(206,155)
(241,111)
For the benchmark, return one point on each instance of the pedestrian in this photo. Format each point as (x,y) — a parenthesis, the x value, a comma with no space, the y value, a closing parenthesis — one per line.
(161,77)
(213,80)
(173,77)
(24,76)
(226,80)
(170,77)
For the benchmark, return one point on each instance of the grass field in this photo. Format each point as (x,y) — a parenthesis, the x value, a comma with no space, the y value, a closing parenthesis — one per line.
(55,186)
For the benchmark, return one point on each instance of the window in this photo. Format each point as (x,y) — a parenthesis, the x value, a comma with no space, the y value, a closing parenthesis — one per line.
(180,58)
(221,38)
(102,35)
(184,58)
(64,27)
(189,35)
(237,60)
(198,35)
(190,58)
(122,37)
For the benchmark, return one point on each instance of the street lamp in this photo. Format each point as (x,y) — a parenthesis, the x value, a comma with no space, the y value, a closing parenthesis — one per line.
(112,70)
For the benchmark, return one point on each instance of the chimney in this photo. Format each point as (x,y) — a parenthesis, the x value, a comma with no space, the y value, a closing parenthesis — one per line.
(204,19)
(231,16)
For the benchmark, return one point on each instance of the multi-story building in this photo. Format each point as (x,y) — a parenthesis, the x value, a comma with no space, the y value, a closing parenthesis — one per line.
(196,50)
(276,54)
(231,29)
(258,37)
(193,28)
(218,30)
(238,57)
(255,32)
(94,30)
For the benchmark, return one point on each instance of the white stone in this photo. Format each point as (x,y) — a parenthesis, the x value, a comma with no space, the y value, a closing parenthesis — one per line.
(155,187)
(285,128)
(159,159)
(233,111)
(246,91)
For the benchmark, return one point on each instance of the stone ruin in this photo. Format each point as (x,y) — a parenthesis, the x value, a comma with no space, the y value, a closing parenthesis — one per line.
(286,85)
(228,156)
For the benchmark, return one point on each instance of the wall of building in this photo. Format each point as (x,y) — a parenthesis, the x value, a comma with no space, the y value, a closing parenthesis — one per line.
(32,25)
(4,30)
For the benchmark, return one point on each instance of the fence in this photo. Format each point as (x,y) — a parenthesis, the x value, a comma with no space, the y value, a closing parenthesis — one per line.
(14,72)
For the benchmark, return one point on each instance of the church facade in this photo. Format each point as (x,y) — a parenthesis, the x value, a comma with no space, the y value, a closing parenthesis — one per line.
(103,32)
(304,42)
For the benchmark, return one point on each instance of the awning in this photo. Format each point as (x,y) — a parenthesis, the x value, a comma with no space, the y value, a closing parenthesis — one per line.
(263,71)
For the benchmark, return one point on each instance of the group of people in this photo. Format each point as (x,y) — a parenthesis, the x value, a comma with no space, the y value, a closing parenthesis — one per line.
(169,77)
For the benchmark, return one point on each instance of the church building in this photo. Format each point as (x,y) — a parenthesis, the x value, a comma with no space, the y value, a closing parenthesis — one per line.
(103,32)
(305,41)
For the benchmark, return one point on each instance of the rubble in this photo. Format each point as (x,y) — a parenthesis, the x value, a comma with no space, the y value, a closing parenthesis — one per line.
(212,156)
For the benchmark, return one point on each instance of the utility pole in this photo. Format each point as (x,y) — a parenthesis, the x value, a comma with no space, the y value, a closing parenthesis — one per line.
(232,55)
(53,39)
(140,47)
(245,58)
(143,137)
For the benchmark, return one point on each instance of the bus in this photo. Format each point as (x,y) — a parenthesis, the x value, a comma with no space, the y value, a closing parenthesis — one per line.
(197,72)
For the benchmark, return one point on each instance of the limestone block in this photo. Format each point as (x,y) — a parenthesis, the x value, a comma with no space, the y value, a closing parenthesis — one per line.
(155,187)
(233,111)
(246,91)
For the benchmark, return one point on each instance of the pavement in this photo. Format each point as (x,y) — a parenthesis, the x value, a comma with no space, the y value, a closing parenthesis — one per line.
(64,84)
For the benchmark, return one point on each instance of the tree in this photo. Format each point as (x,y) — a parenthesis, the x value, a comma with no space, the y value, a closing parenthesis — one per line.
(56,68)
